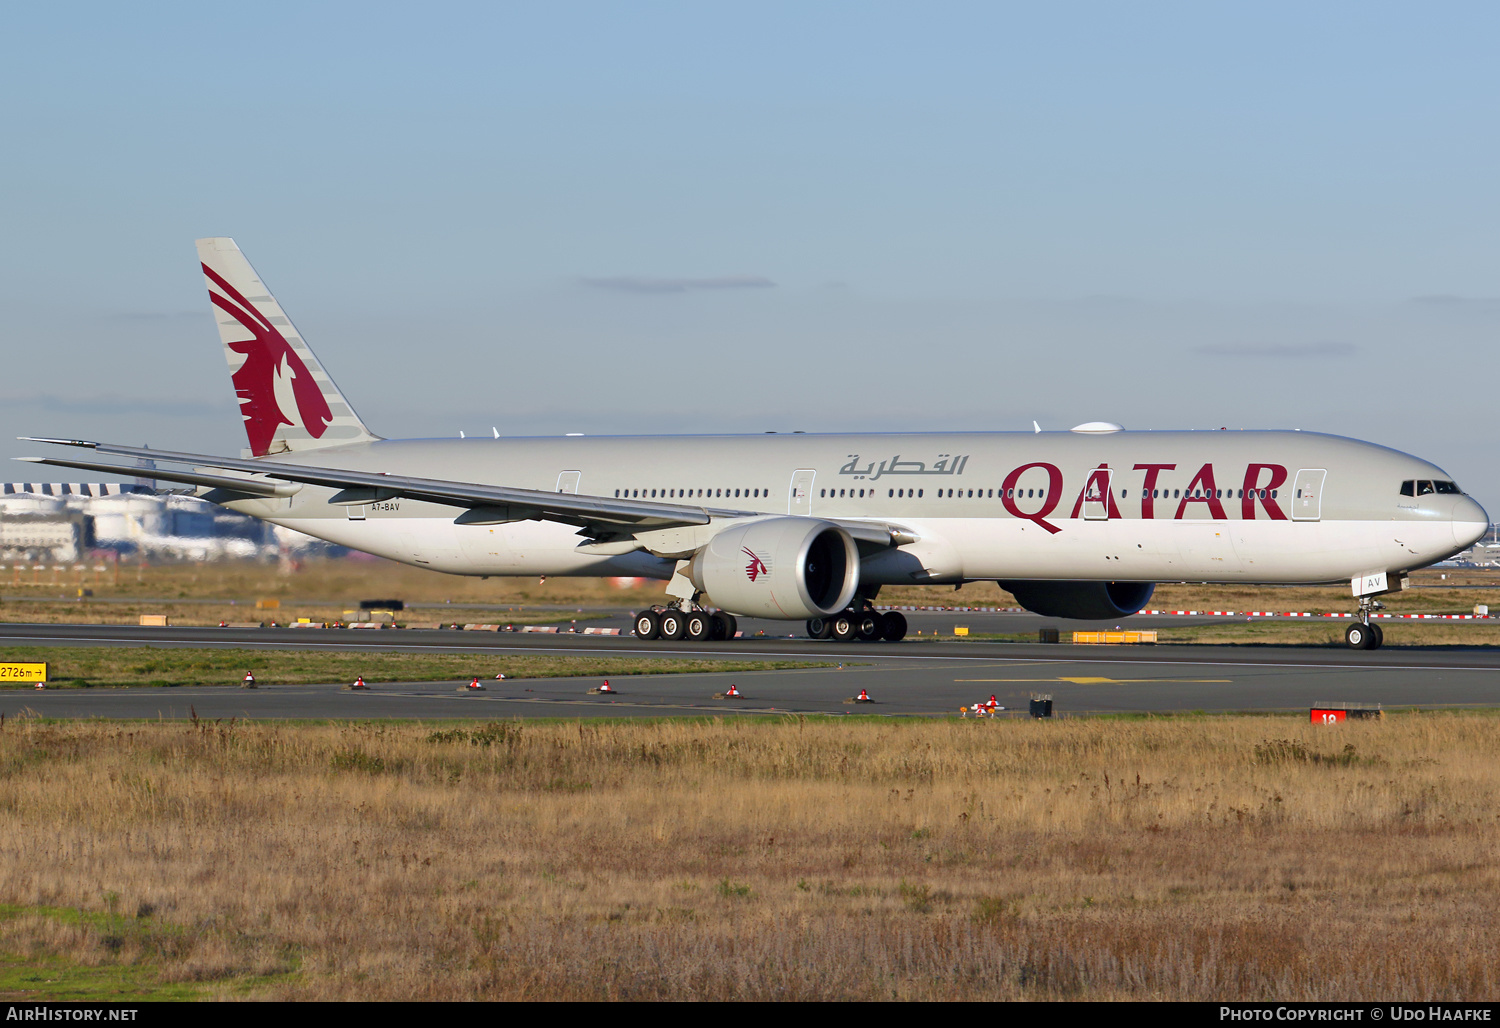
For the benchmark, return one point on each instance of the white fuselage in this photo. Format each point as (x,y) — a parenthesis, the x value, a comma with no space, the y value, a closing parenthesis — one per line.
(1263,507)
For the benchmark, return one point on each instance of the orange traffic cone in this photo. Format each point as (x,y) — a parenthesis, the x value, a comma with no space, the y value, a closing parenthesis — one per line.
(606,687)
(864,696)
(474,684)
(991,704)
(249,682)
(733,690)
(359,683)
(500,677)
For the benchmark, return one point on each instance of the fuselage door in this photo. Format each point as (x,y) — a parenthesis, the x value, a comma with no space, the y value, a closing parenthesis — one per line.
(567,481)
(1307,494)
(1096,495)
(800,500)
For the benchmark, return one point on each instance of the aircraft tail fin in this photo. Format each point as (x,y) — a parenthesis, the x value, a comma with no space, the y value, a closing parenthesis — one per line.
(286,398)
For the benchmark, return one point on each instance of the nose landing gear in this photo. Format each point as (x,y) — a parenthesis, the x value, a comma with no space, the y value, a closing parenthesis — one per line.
(1362,634)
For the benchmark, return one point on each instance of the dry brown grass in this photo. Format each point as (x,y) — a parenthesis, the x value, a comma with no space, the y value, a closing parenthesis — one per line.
(184,614)
(1202,858)
(89,666)
(340,583)
(323,590)
(1429,593)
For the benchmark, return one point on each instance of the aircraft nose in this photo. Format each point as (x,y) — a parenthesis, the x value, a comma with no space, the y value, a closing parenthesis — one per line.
(1470,522)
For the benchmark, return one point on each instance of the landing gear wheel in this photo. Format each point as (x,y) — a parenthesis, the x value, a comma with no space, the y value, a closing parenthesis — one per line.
(699,626)
(893,626)
(647,625)
(724,625)
(819,628)
(673,625)
(845,626)
(1359,636)
(1377,636)
(868,625)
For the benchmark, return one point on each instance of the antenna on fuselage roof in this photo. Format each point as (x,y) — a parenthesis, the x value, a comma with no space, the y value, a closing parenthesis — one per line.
(1037,428)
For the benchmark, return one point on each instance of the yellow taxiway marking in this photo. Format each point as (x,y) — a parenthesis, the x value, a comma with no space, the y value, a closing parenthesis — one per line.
(1101,681)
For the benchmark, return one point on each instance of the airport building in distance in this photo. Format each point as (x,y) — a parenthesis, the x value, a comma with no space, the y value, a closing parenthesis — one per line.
(65,522)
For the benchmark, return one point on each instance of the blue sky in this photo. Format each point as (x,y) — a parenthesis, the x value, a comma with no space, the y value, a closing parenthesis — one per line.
(698,217)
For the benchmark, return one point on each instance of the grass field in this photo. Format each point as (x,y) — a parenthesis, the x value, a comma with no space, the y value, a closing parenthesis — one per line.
(1183,858)
(325,590)
(90,666)
(198,614)
(338,584)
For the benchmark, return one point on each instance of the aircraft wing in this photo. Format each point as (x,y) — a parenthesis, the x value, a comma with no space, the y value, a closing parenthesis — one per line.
(484,504)
(245,486)
(599,516)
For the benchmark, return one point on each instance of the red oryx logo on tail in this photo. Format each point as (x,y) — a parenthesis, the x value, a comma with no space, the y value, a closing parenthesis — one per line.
(756,567)
(270,362)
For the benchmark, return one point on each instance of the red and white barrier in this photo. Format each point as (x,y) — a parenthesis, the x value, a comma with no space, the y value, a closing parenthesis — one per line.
(1308,614)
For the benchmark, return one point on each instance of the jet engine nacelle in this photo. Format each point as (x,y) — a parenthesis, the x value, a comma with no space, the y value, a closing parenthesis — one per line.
(785,568)
(1091,601)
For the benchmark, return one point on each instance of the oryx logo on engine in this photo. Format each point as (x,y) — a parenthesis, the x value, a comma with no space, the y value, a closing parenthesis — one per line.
(756,567)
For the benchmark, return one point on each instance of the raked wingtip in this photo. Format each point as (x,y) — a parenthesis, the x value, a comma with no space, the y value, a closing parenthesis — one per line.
(59,442)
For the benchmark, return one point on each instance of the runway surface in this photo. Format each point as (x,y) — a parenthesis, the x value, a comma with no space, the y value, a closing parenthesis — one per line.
(921,678)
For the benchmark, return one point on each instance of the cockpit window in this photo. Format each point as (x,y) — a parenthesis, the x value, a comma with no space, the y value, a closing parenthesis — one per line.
(1424,487)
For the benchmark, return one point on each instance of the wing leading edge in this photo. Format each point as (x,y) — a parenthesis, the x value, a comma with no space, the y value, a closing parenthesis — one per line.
(484,504)
(598,516)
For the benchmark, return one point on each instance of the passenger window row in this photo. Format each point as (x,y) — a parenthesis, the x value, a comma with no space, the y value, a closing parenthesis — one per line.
(687,494)
(982,494)
(1203,494)
(838,494)
(1407,489)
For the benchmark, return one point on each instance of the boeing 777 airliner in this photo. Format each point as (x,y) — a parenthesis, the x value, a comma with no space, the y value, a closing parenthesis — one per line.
(808,528)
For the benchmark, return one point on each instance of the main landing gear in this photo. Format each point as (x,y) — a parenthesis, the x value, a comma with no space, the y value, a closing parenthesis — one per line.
(672,624)
(1362,635)
(868,625)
